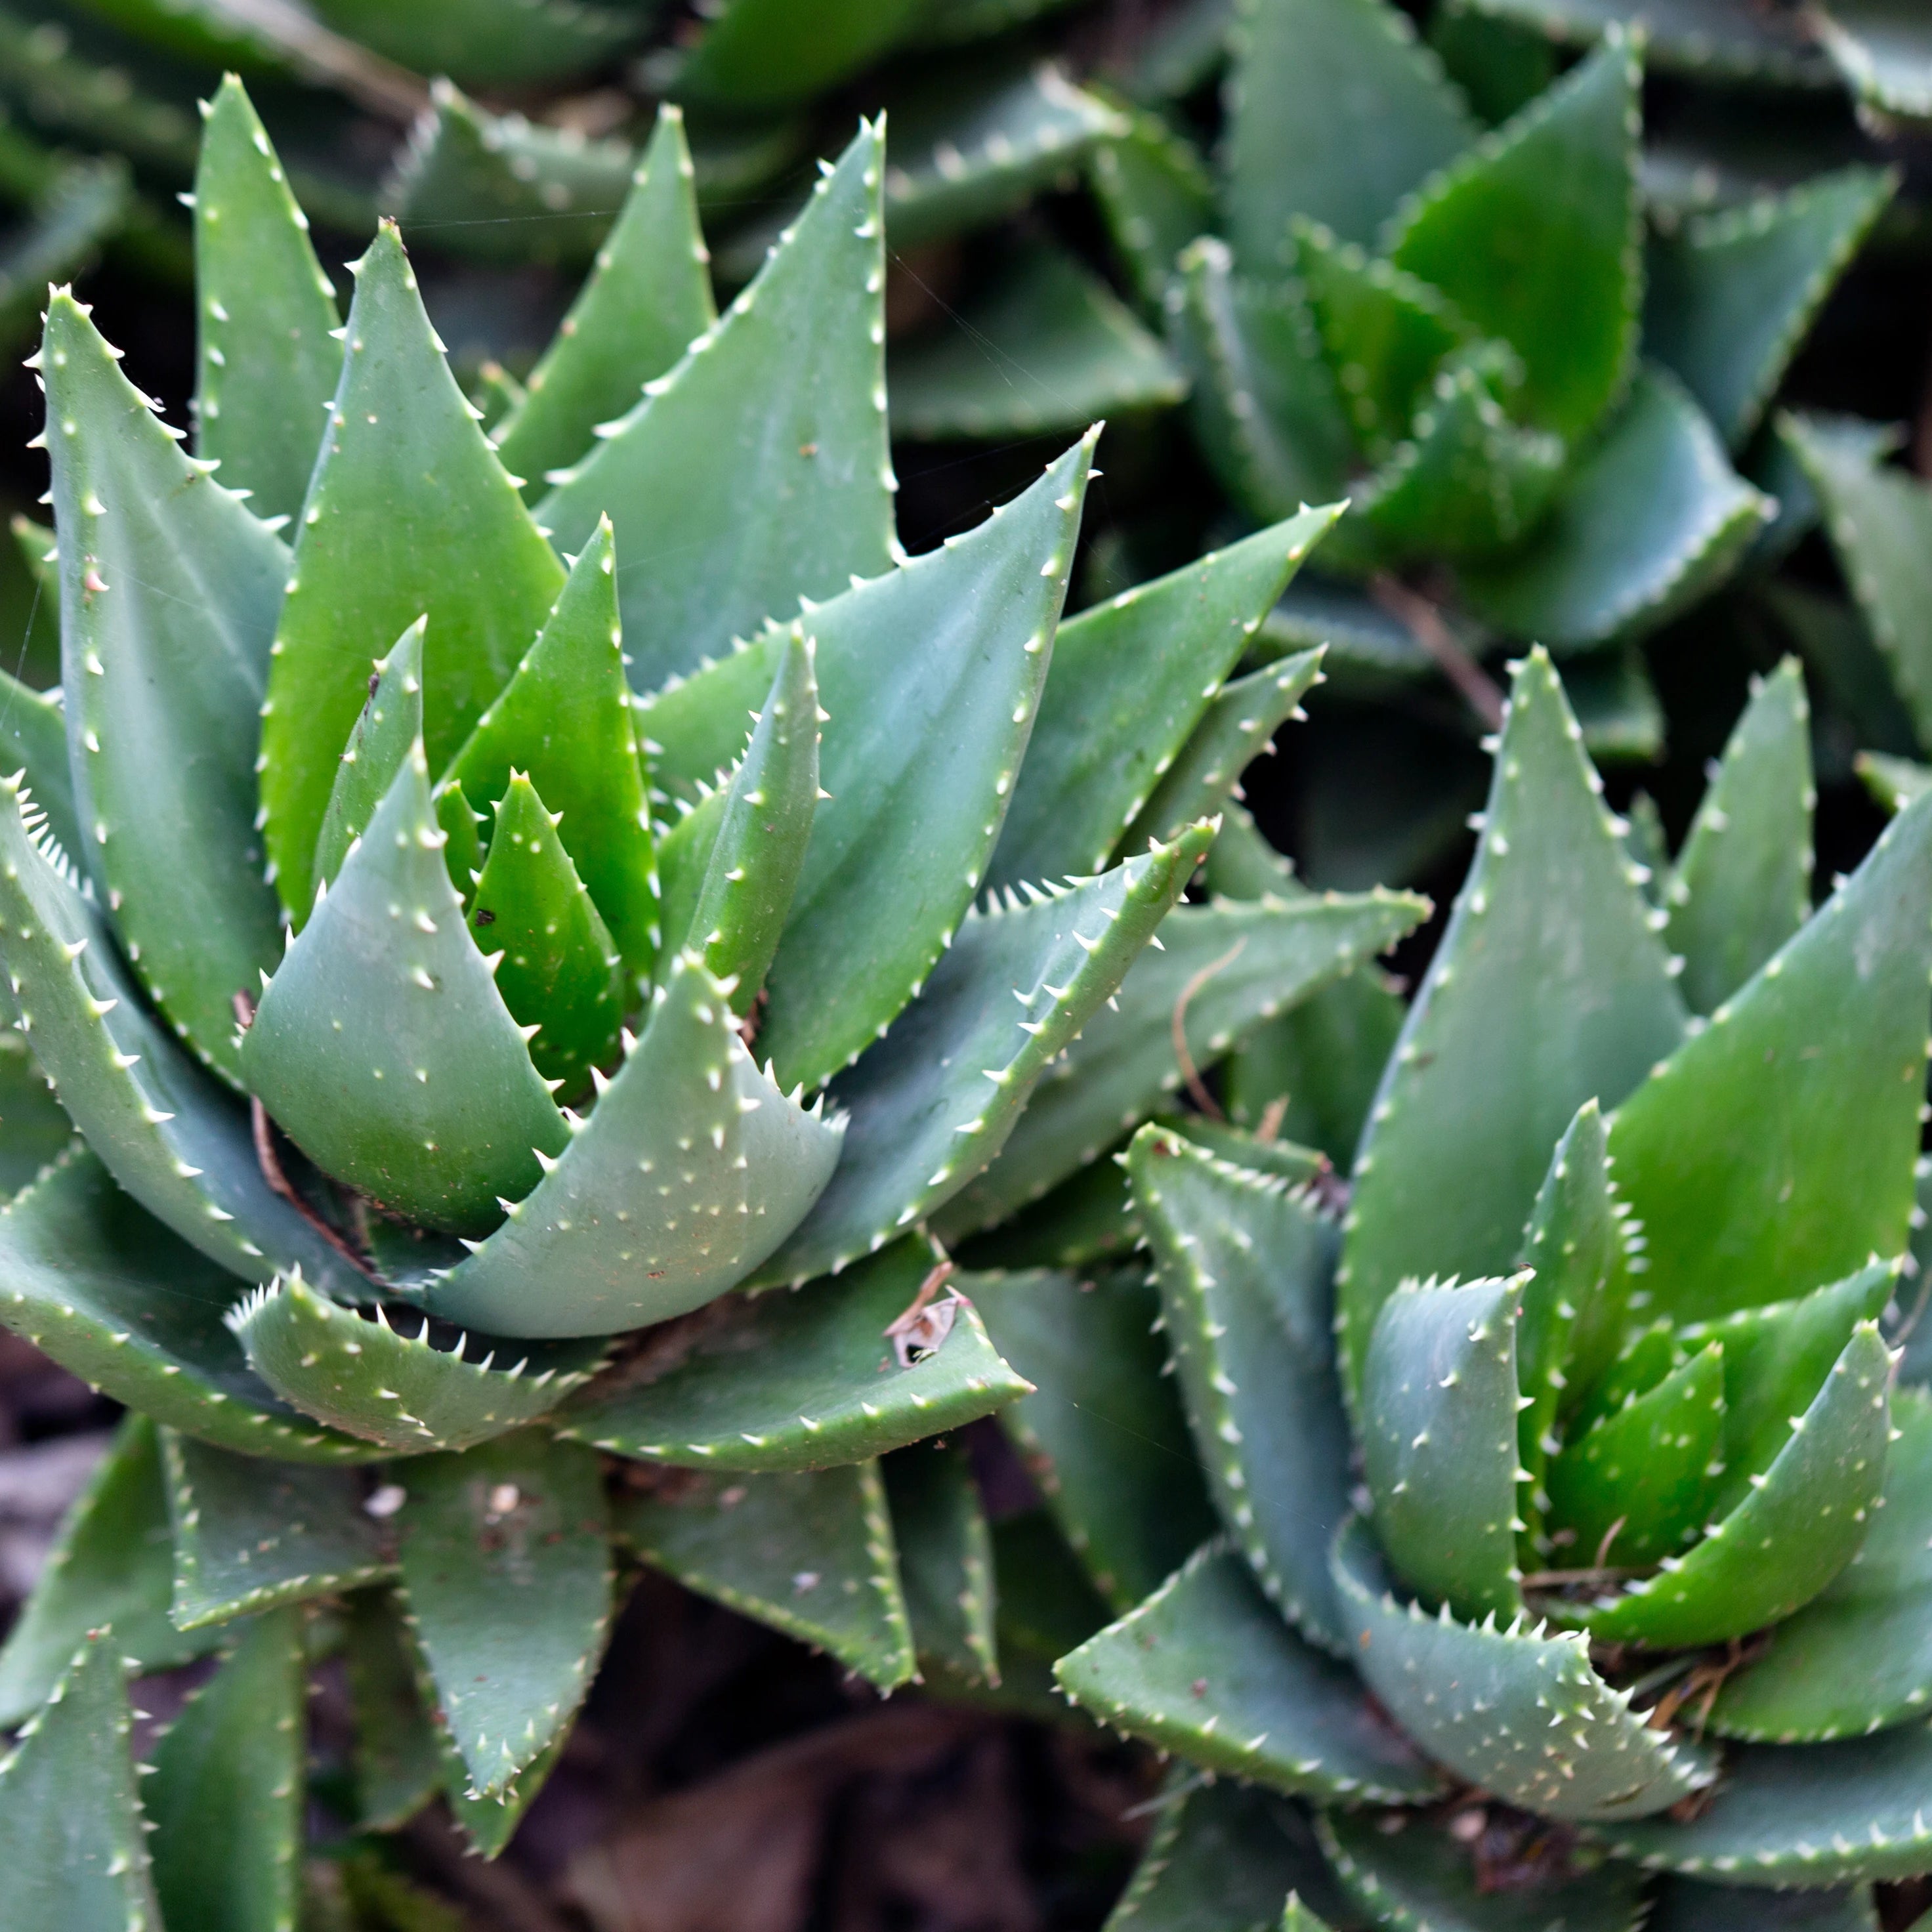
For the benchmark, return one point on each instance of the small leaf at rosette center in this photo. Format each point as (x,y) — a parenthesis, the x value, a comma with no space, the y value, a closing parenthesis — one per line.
(391,722)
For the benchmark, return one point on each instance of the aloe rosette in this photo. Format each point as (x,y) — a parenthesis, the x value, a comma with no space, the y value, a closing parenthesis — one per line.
(1572,1514)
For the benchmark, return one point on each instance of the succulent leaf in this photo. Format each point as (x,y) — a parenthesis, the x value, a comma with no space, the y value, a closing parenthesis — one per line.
(377,549)
(170,591)
(1881,48)
(34,1130)
(804,1381)
(498,43)
(1735,1221)
(1741,885)
(946,1557)
(33,739)
(1245,1267)
(70,1820)
(397,1759)
(1549,945)
(228,1791)
(811,1554)
(506,1568)
(755,54)
(1205,1666)
(391,722)
(370,1380)
(1690,1905)
(754,472)
(382,1046)
(647,298)
(250,1537)
(267,356)
(1156,195)
(1516,1710)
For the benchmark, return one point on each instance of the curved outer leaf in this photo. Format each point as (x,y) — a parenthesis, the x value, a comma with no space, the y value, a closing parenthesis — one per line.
(1516,1710)
(811,1554)
(391,722)
(1337,112)
(805,1380)
(76,1856)
(378,549)
(1823,1053)
(1859,1656)
(169,593)
(903,843)
(267,360)
(1251,962)
(110,1294)
(1438,1408)
(250,1536)
(565,721)
(1729,298)
(1129,682)
(1690,1905)
(755,473)
(946,1558)
(762,54)
(33,739)
(1741,885)
(1156,195)
(1880,47)
(1549,947)
(1786,1541)
(1806,1815)
(503,43)
(1536,235)
(382,1046)
(1649,520)
(1245,1266)
(923,1121)
(1421,1879)
(506,1568)
(1269,1708)
(227,1796)
(648,298)
(691,1168)
(369,1380)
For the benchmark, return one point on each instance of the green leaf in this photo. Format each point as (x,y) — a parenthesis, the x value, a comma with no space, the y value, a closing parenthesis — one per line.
(499,42)
(743,1163)
(1732,294)
(391,722)
(1268,1707)
(647,298)
(922,1122)
(1618,706)
(1710,40)
(1550,948)
(33,738)
(1337,112)
(1043,346)
(377,550)
(495,392)
(373,1381)
(1129,683)
(1741,885)
(70,1835)
(382,1046)
(1513,1709)
(1438,1427)
(565,721)
(169,592)
(1881,47)
(1245,1267)
(1422,1879)
(1806,1815)
(1155,194)
(811,1554)
(805,1381)
(106,1291)
(1499,64)
(558,967)
(1268,411)
(903,843)
(506,1567)
(1102,1435)
(396,1757)
(1688,1905)
(1083,1221)
(1859,1656)
(945,1557)
(1736,1220)
(228,1792)
(1651,519)
(112,1563)
(462,828)
(250,1536)
(34,1131)
(267,360)
(1245,964)
(1780,1546)
(1893,783)
(1639,1486)
(761,54)
(1535,236)
(753,473)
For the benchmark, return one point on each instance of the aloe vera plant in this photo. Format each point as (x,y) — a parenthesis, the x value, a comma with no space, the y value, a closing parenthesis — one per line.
(466,937)
(1571,1511)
